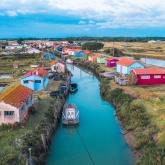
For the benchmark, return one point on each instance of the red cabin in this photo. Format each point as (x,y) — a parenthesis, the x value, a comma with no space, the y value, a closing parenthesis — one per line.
(147,76)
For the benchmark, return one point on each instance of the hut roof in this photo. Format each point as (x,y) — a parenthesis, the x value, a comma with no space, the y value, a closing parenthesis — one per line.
(16,96)
(152,70)
(128,62)
(38,71)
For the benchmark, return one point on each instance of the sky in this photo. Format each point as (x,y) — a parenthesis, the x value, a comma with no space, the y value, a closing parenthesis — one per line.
(73,18)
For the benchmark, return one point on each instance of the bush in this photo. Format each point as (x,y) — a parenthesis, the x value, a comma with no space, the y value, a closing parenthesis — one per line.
(92,46)
(32,110)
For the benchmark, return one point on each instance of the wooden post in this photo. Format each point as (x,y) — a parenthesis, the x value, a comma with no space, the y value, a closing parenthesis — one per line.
(44,142)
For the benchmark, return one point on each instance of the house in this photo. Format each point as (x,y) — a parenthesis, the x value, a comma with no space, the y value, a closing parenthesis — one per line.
(147,76)
(58,67)
(125,65)
(100,59)
(32,51)
(13,47)
(75,52)
(48,56)
(111,62)
(36,79)
(92,58)
(14,104)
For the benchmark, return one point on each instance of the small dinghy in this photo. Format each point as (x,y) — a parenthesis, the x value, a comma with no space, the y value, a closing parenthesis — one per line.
(69,61)
(73,88)
(70,115)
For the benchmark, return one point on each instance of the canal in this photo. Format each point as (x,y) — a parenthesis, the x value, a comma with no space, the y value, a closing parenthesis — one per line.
(98,139)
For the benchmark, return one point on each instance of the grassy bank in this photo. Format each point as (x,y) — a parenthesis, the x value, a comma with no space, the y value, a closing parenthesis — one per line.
(138,114)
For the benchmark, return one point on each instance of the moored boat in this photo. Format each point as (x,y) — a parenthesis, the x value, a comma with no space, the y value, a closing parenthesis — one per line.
(70,115)
(69,61)
(73,88)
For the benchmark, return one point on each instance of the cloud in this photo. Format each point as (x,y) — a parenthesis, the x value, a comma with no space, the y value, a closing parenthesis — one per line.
(103,13)
(11,13)
(82,22)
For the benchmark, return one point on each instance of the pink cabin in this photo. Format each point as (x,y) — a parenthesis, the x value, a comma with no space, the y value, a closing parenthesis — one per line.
(14,105)
(147,76)
(111,61)
(92,58)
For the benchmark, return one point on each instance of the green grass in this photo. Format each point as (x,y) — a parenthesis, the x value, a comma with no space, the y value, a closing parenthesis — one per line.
(8,136)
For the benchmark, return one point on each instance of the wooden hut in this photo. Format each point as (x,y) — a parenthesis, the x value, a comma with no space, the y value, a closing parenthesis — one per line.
(147,76)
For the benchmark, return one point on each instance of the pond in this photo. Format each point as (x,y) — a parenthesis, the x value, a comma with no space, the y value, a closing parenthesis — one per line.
(156,62)
(97,139)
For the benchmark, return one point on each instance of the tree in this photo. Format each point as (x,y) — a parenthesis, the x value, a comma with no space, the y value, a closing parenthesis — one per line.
(92,46)
(116,52)
(20,41)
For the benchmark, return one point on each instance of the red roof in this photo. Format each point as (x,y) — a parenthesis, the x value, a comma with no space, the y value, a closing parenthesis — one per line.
(112,58)
(16,96)
(38,71)
(127,61)
(152,70)
(86,51)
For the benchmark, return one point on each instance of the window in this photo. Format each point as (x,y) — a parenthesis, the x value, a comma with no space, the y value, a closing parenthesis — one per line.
(25,81)
(9,113)
(37,81)
(145,77)
(157,76)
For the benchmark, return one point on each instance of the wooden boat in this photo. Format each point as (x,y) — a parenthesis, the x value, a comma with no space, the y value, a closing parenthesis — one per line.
(73,88)
(70,115)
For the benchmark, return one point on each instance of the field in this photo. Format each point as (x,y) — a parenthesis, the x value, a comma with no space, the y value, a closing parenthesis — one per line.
(6,68)
(139,49)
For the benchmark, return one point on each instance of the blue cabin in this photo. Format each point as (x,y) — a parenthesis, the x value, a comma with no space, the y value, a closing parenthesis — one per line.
(124,66)
(49,56)
(36,79)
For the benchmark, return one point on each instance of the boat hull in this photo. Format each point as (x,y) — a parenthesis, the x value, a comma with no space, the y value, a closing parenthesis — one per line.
(73,88)
(70,122)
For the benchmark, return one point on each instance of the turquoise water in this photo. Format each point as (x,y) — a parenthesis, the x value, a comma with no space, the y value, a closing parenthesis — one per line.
(98,128)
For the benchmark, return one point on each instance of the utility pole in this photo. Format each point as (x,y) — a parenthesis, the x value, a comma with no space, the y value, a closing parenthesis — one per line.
(113,49)
(30,156)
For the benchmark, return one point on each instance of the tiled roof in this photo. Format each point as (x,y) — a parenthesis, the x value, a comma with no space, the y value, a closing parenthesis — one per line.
(72,50)
(128,62)
(38,71)
(86,51)
(152,70)
(16,95)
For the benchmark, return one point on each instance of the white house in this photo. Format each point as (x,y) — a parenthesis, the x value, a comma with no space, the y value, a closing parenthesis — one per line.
(59,67)
(14,104)
(32,50)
